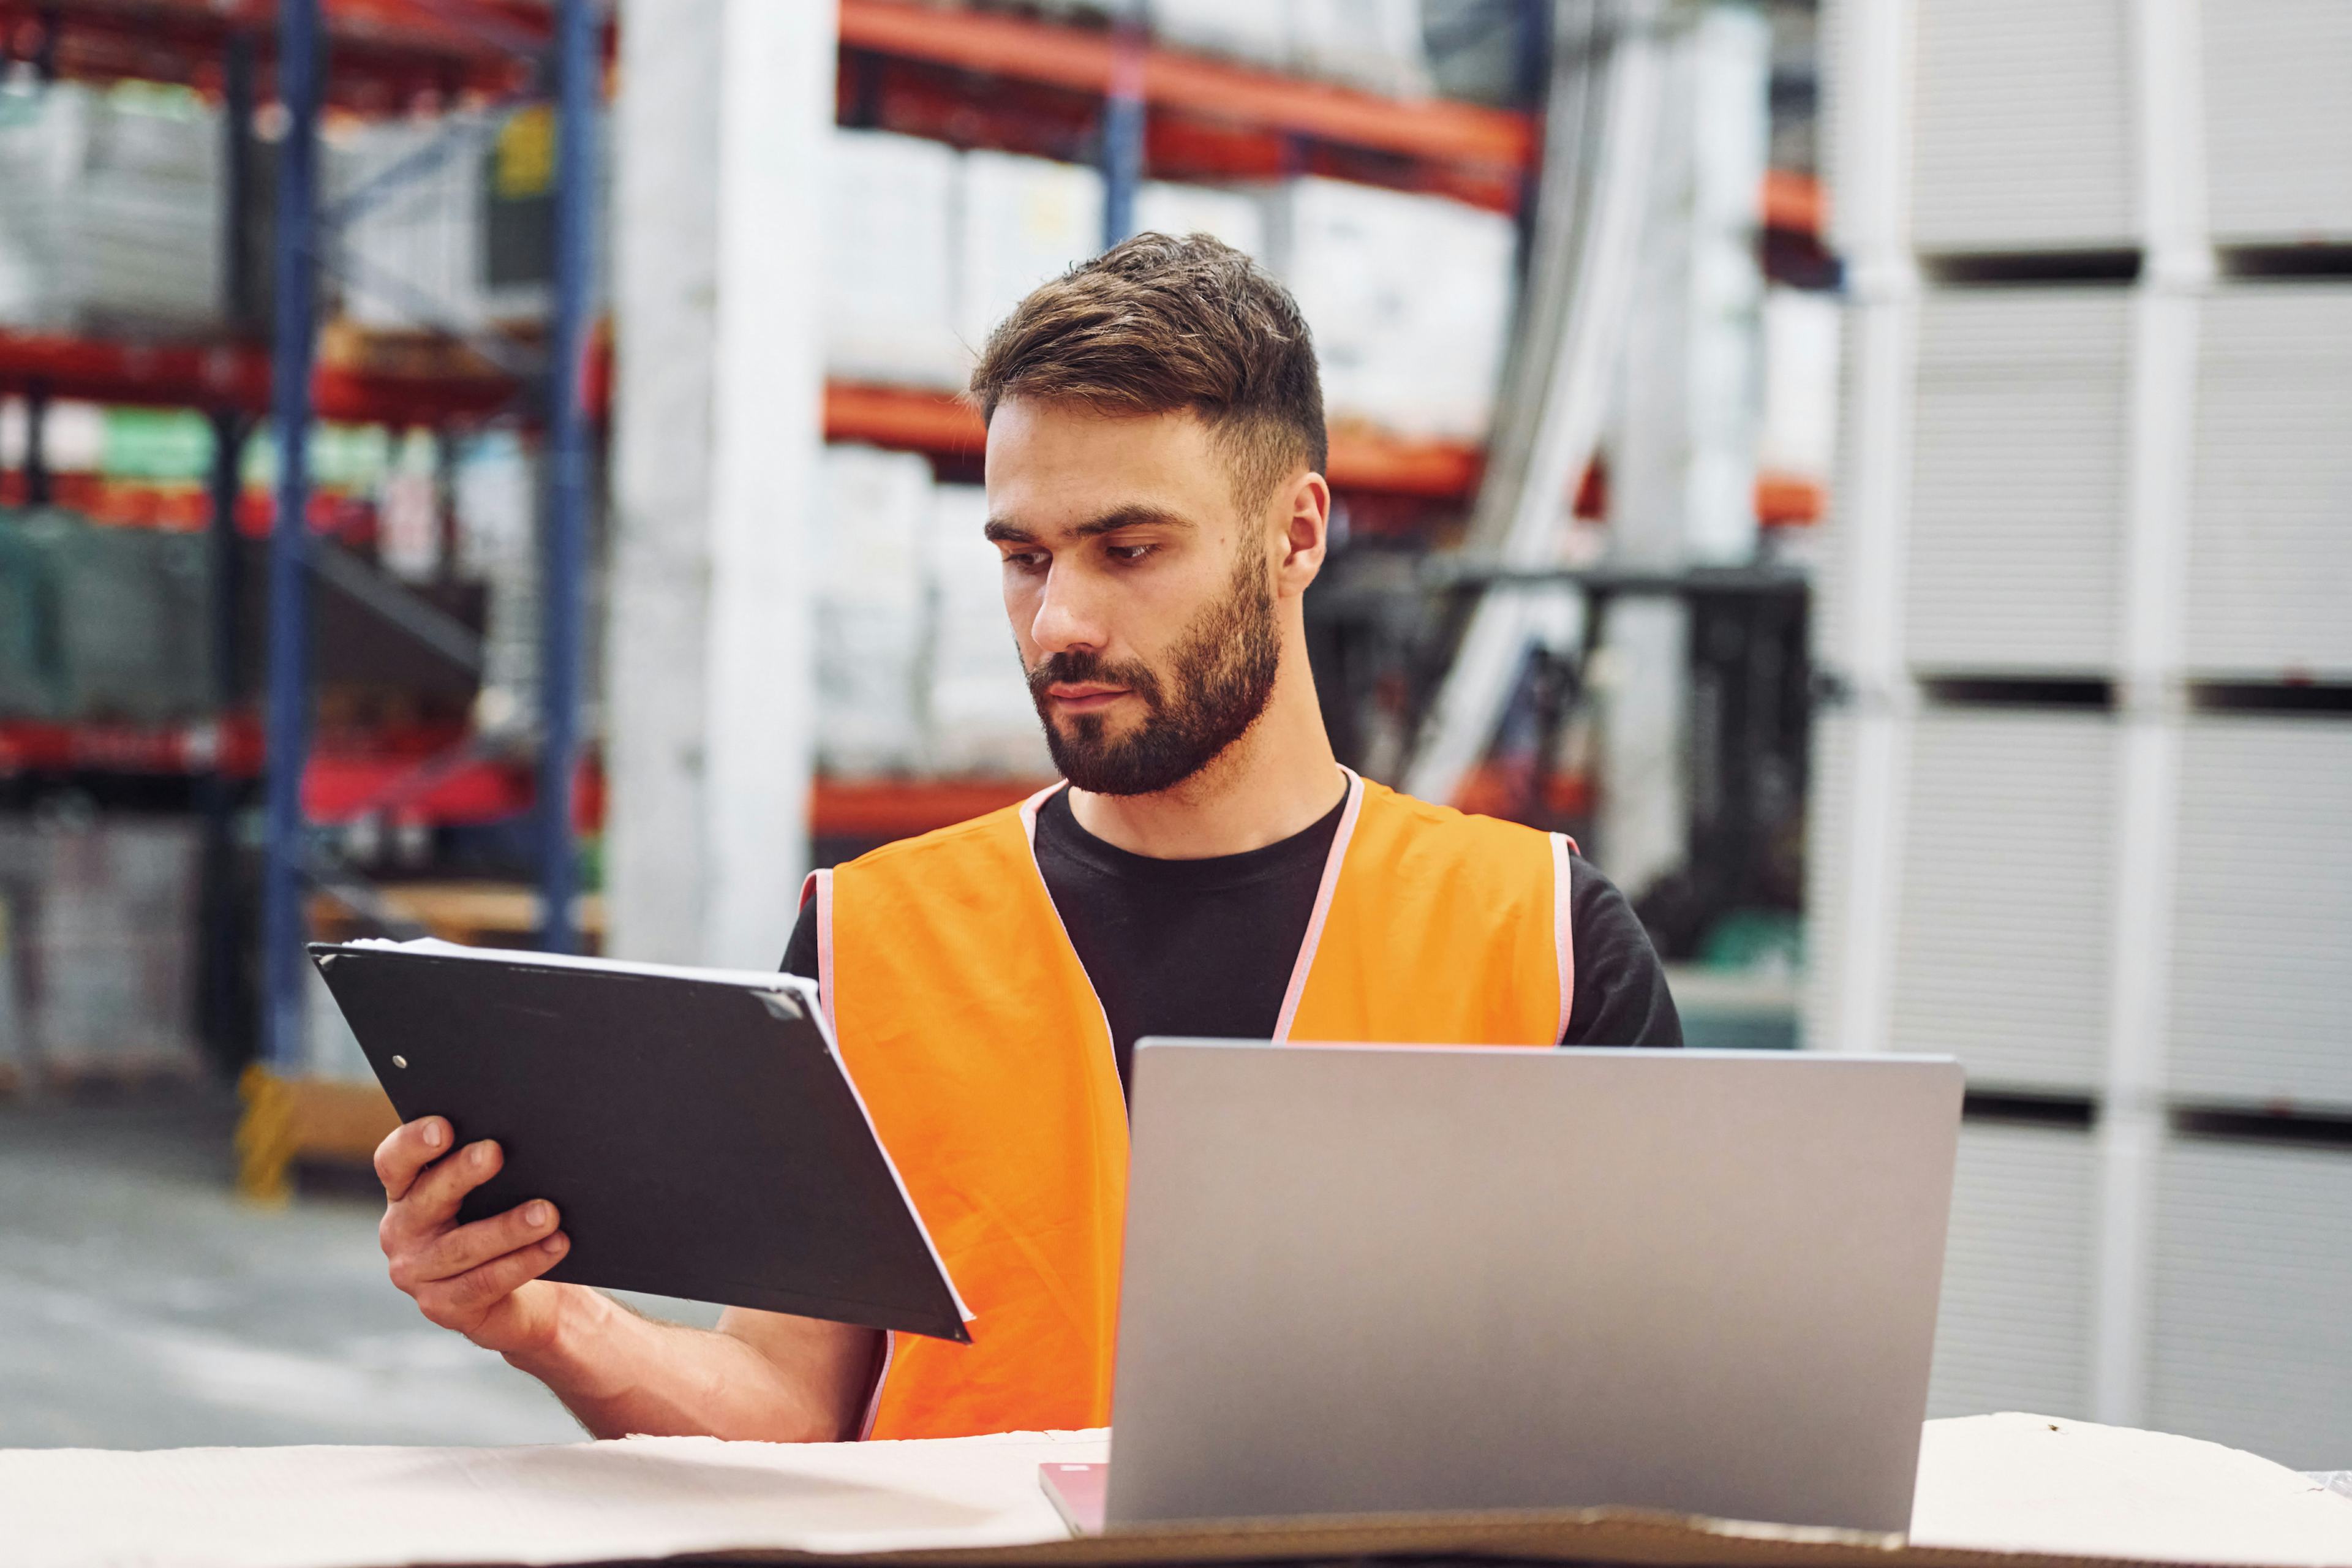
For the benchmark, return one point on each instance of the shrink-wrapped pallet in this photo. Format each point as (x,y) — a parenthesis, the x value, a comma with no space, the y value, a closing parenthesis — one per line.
(1024,220)
(889,275)
(982,720)
(866,534)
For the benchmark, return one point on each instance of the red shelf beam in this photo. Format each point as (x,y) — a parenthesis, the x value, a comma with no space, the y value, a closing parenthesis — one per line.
(233,375)
(385,51)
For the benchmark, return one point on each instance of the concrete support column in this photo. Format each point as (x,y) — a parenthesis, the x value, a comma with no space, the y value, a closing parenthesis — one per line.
(722,130)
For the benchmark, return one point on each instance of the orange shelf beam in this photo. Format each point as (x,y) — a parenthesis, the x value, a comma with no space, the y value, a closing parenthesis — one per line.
(1793,202)
(945,426)
(910,417)
(893,808)
(1069,58)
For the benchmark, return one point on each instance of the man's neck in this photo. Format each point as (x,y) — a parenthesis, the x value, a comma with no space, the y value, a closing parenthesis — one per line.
(1279,779)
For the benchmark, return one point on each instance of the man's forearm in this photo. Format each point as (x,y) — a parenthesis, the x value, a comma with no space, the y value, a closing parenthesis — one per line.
(621,1374)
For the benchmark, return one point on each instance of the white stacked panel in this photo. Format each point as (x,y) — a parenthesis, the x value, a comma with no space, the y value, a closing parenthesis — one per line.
(981,719)
(2261,921)
(2021,136)
(2278,120)
(1829,856)
(1162,207)
(1396,352)
(889,238)
(1024,220)
(869,612)
(2002,948)
(1802,332)
(1832,623)
(2020,455)
(2269,532)
(2014,1330)
(2250,1341)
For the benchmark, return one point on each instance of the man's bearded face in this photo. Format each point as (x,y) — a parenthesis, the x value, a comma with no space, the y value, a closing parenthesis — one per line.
(1205,695)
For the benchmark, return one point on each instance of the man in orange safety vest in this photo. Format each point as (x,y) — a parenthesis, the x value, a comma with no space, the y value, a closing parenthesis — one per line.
(1154,461)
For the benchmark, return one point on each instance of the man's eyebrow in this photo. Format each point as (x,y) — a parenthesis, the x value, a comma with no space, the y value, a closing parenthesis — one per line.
(1000,531)
(1138,516)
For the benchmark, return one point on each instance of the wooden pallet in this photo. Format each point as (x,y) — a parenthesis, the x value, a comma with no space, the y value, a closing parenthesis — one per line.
(289,1121)
(481,914)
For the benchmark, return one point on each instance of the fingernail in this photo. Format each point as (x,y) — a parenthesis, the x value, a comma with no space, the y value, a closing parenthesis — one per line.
(481,1154)
(535,1216)
(554,1243)
(433,1135)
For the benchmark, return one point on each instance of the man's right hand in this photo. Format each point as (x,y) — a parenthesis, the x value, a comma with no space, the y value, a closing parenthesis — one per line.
(481,1279)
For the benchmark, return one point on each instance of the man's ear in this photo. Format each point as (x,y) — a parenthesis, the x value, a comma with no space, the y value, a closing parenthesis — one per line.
(1304,504)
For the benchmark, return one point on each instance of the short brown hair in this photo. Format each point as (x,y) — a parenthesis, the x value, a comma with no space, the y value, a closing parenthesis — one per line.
(1156,324)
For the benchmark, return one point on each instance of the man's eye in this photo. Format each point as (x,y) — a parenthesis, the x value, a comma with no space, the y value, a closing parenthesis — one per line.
(1130,553)
(1026,560)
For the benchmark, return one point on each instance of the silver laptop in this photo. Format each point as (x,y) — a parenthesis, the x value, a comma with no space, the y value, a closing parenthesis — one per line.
(1370,1280)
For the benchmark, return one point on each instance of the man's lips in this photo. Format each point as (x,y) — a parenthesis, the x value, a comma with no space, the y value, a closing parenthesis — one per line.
(1084,698)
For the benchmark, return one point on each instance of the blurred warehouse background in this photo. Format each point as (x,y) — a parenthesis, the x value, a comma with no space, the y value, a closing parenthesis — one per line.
(1879,474)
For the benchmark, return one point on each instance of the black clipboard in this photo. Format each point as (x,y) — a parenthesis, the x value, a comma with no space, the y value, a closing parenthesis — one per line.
(695,1129)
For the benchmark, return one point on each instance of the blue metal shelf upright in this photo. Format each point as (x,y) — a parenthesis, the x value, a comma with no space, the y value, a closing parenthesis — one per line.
(576,61)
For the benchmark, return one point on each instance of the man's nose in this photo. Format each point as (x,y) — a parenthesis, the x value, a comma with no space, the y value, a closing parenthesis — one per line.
(1065,620)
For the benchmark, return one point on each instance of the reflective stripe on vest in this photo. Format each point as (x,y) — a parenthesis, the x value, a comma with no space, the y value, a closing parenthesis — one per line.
(984,1057)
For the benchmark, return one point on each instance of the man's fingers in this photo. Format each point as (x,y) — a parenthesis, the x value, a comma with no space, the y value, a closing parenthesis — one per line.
(434,1197)
(408,1149)
(470,1245)
(459,1302)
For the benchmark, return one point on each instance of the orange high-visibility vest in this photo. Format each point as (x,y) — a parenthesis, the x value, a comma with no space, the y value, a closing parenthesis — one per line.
(984,1056)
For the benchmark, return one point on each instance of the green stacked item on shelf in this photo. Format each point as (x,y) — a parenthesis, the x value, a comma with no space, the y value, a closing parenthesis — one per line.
(28,660)
(105,624)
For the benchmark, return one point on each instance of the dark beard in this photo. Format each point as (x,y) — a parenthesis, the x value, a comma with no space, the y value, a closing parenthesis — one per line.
(1220,679)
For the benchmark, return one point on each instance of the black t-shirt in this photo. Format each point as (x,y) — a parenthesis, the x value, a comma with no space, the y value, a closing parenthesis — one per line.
(1206,947)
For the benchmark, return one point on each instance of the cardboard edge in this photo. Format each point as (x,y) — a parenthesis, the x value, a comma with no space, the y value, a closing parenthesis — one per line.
(1600,1535)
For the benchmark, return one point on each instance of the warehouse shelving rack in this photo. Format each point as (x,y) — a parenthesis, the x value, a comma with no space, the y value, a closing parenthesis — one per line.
(1187,117)
(1206,116)
(365,56)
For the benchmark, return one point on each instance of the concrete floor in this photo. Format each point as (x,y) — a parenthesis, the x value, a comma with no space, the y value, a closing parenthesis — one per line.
(143,1306)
